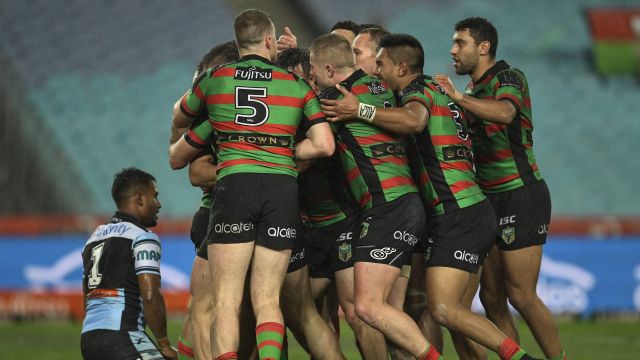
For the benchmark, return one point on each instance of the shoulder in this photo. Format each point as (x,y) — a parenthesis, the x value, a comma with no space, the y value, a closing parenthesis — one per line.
(511,76)
(125,230)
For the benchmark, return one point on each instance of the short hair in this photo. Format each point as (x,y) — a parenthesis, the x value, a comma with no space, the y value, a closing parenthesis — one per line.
(370,26)
(292,57)
(128,181)
(222,54)
(250,26)
(346,25)
(375,34)
(334,49)
(404,47)
(480,30)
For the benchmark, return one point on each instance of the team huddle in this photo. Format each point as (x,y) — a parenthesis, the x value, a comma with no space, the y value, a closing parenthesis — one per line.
(336,176)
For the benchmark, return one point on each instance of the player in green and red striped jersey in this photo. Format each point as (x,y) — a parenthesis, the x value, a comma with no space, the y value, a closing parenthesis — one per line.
(462,218)
(255,108)
(499,104)
(392,215)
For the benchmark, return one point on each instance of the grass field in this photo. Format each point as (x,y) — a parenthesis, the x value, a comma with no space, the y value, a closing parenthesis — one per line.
(584,340)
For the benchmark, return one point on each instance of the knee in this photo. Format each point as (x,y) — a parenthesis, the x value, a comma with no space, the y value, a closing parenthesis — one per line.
(441,313)
(366,311)
(491,300)
(350,315)
(522,300)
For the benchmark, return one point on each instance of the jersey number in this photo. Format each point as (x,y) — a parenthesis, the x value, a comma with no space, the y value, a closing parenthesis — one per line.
(95,277)
(455,113)
(248,98)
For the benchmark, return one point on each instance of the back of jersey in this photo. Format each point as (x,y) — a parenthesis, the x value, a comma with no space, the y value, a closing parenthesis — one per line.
(113,257)
(255,108)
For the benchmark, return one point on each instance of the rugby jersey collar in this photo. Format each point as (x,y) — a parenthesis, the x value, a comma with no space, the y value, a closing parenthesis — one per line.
(497,67)
(121,216)
(257,57)
(355,76)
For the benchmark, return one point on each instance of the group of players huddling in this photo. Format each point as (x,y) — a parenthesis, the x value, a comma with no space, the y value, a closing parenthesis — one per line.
(338,174)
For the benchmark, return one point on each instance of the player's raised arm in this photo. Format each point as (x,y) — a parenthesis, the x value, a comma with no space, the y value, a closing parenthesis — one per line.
(498,111)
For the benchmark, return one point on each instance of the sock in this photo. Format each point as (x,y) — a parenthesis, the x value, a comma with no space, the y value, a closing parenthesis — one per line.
(185,350)
(430,354)
(269,336)
(562,356)
(231,355)
(509,350)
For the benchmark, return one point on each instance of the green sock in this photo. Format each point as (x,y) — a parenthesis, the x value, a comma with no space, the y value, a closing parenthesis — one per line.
(270,336)
(562,356)
(518,355)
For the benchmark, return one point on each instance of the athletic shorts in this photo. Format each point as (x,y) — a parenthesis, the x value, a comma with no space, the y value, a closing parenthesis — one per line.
(389,232)
(461,239)
(199,226)
(255,207)
(522,216)
(330,248)
(298,258)
(121,345)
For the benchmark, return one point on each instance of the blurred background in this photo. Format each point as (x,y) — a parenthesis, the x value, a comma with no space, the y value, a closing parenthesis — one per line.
(86,89)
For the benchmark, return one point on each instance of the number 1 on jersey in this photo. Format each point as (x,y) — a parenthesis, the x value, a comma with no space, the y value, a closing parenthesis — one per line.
(95,277)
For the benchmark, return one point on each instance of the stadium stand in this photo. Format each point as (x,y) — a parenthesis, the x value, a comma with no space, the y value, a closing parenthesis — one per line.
(100,78)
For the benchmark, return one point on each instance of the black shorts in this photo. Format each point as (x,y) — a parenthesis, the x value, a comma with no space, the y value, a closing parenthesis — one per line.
(298,258)
(203,251)
(121,345)
(199,226)
(330,248)
(389,232)
(255,207)
(461,239)
(522,216)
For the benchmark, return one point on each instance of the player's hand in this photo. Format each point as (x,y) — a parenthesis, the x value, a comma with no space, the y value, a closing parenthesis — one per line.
(449,88)
(287,40)
(169,353)
(342,109)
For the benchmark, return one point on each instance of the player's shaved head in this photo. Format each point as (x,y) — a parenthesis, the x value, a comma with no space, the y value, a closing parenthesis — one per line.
(129,182)
(404,48)
(333,49)
(251,26)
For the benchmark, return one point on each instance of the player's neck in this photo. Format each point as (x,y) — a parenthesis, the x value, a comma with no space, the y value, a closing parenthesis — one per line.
(405,81)
(481,69)
(260,52)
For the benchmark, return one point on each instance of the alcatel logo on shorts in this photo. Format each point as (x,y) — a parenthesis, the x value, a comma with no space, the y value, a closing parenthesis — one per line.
(381,254)
(410,239)
(232,228)
(465,256)
(543,229)
(297,256)
(282,232)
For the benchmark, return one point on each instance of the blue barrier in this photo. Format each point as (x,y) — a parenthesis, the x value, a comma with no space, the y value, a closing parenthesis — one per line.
(578,275)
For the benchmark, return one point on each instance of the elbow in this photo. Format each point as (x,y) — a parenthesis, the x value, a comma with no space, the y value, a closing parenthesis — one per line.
(328,148)
(176,164)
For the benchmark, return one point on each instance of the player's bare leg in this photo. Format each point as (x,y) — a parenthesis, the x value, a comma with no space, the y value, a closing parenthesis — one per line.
(446,288)
(396,299)
(228,265)
(465,347)
(522,268)
(325,297)
(268,270)
(371,342)
(373,283)
(303,317)
(493,294)
(416,303)
(200,308)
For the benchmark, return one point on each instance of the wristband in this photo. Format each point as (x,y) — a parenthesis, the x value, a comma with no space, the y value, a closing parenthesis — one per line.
(366,112)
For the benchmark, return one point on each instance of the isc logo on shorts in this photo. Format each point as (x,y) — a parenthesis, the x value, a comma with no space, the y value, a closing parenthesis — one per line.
(288,233)
(232,228)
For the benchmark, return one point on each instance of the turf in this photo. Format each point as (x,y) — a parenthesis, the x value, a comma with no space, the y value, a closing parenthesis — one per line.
(584,340)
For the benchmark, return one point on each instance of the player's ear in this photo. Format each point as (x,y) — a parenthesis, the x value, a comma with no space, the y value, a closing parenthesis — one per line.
(330,70)
(484,47)
(139,200)
(402,68)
